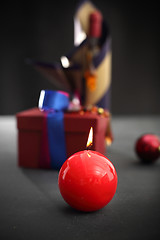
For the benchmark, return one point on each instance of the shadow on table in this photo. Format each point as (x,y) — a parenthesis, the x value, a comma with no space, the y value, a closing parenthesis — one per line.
(145,165)
(67,210)
(46,182)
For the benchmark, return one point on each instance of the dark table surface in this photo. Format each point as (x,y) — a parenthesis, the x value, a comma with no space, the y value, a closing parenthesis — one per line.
(31,206)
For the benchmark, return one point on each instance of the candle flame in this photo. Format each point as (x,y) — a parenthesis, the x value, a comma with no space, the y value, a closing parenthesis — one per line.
(90,138)
(65,62)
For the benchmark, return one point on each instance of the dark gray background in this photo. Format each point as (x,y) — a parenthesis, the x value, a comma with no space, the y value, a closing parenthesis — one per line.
(44,31)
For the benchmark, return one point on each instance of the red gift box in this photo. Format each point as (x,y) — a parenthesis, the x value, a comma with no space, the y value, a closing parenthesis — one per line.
(76,125)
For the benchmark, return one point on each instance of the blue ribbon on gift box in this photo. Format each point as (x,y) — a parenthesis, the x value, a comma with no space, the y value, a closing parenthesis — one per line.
(54,103)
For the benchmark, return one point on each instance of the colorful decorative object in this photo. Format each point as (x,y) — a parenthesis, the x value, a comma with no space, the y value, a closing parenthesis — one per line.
(48,135)
(92,46)
(58,128)
(147,148)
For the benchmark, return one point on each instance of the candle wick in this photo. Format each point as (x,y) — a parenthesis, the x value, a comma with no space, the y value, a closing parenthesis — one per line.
(89,146)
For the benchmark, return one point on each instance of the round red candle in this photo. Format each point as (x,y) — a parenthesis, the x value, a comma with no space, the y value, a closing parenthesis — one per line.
(87,181)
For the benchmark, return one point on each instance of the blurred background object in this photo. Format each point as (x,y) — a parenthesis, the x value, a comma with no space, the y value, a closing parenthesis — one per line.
(45,31)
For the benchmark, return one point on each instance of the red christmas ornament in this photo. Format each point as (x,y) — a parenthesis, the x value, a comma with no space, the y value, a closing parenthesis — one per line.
(87,181)
(148,148)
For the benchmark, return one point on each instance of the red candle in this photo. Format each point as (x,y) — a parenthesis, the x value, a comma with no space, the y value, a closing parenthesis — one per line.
(87,180)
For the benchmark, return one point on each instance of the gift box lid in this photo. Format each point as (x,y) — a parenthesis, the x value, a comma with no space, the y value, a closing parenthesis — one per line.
(32,119)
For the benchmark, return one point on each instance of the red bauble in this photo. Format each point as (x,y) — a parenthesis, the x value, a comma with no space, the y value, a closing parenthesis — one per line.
(87,181)
(148,148)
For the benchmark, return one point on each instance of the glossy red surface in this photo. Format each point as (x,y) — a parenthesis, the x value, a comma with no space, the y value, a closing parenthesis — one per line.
(87,181)
(148,148)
